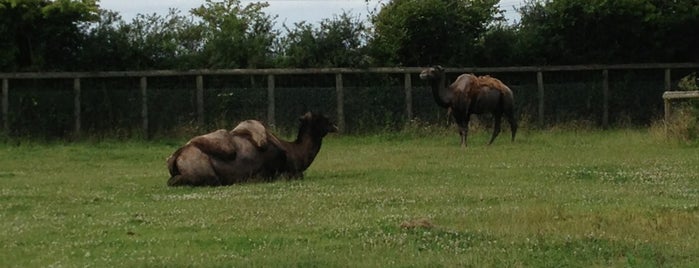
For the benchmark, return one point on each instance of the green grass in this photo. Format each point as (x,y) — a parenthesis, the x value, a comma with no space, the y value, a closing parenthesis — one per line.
(552,198)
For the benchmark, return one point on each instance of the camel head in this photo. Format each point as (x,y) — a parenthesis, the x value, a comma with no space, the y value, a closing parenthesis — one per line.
(317,123)
(432,73)
(436,78)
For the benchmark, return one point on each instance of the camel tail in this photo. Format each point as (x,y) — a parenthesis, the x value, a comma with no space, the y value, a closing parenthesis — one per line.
(508,107)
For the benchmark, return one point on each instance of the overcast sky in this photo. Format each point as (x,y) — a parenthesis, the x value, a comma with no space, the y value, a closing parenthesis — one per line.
(289,11)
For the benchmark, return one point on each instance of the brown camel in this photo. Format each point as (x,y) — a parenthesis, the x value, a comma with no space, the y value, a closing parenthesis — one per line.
(469,95)
(247,152)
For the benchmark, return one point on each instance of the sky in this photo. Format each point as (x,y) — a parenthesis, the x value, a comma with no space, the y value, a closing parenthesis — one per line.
(289,11)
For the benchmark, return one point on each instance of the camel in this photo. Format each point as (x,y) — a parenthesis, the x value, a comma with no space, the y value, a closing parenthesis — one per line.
(247,152)
(470,94)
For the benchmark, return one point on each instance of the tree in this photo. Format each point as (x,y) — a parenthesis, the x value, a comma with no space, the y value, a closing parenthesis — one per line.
(677,30)
(106,45)
(169,41)
(602,31)
(424,32)
(337,42)
(43,35)
(172,41)
(236,36)
(499,46)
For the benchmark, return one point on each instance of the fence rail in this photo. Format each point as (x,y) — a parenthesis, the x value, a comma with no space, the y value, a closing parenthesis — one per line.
(271,74)
(388,70)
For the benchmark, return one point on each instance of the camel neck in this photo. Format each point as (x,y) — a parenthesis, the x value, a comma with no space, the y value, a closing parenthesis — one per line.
(439,91)
(305,148)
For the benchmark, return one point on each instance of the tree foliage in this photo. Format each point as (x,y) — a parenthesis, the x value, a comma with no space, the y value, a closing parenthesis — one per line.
(337,42)
(499,46)
(63,35)
(42,34)
(236,36)
(602,31)
(422,32)
(148,42)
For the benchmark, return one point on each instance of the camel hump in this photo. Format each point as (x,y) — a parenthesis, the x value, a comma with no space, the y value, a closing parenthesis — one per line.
(218,143)
(464,83)
(255,130)
(494,83)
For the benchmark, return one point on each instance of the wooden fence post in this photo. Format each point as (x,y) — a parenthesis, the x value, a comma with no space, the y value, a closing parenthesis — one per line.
(408,97)
(270,101)
(340,103)
(668,114)
(666,102)
(5,104)
(200,100)
(540,84)
(605,98)
(77,106)
(144,105)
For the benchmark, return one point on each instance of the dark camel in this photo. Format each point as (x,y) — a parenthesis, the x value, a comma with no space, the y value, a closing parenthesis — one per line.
(247,152)
(472,95)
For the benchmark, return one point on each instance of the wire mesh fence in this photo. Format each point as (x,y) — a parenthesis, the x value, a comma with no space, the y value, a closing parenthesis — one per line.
(161,103)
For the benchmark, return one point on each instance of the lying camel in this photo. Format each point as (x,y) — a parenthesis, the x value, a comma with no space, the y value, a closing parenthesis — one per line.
(247,152)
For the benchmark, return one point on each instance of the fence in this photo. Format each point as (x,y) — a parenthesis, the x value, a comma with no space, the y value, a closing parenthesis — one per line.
(669,96)
(557,93)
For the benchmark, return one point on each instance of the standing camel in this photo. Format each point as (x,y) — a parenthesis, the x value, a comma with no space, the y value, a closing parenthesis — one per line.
(469,95)
(247,152)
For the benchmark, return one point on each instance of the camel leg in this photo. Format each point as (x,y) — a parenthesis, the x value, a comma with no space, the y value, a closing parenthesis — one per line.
(191,166)
(294,176)
(176,180)
(181,180)
(463,131)
(513,125)
(496,127)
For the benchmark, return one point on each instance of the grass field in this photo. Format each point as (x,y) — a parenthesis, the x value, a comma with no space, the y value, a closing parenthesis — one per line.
(620,198)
